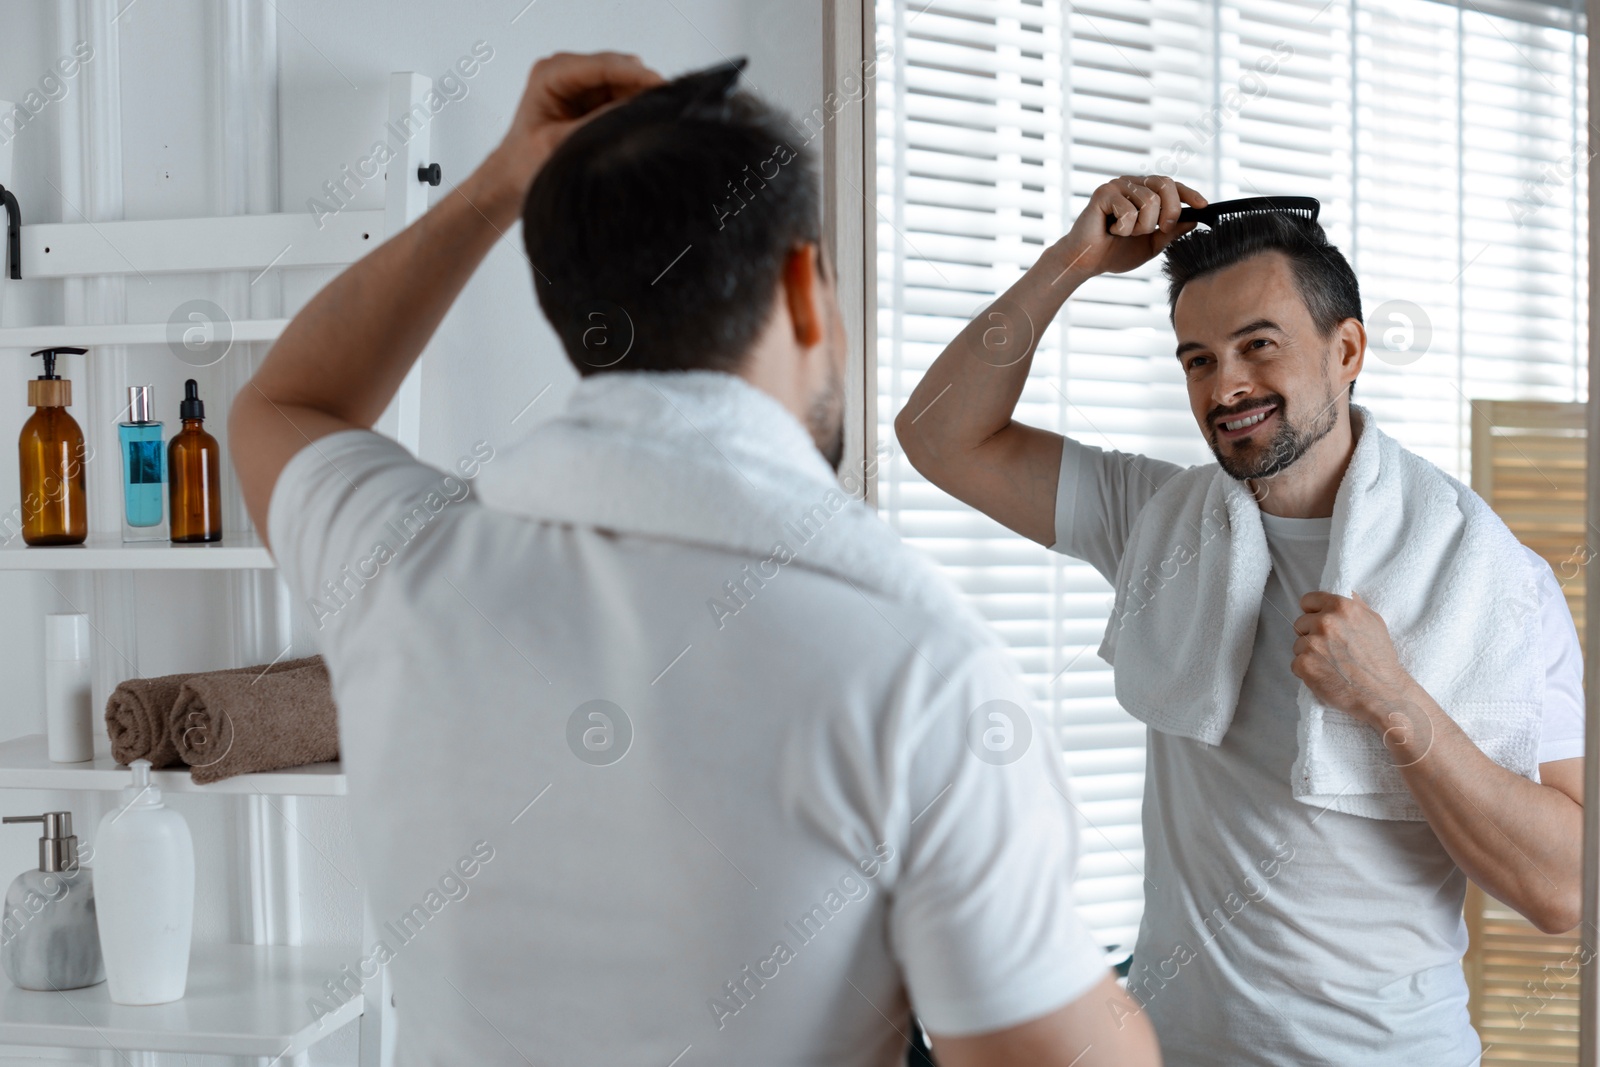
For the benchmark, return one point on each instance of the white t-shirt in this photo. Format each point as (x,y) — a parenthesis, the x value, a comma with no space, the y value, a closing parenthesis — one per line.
(765,841)
(1273,932)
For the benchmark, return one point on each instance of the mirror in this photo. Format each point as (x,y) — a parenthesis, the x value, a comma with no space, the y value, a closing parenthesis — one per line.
(992,127)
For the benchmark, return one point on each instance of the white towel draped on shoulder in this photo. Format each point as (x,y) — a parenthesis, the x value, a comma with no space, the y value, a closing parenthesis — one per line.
(706,458)
(1424,551)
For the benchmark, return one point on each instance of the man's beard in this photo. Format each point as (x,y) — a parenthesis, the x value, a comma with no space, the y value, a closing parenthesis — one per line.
(1287,445)
(825,420)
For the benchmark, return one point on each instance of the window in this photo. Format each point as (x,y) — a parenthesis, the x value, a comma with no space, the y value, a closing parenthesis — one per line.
(1446,142)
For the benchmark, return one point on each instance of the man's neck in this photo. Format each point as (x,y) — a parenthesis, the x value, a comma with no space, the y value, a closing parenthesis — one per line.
(1306,490)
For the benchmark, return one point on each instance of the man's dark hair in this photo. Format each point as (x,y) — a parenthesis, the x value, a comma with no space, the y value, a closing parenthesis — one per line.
(1321,273)
(658,230)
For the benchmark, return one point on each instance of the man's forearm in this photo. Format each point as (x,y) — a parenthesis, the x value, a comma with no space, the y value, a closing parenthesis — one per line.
(978,378)
(1519,840)
(348,350)
(956,428)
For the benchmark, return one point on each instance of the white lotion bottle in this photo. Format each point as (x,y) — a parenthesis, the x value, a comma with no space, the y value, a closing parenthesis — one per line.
(144,895)
(69,716)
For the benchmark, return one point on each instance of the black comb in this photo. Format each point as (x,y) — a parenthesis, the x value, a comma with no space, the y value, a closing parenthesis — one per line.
(1305,207)
(709,86)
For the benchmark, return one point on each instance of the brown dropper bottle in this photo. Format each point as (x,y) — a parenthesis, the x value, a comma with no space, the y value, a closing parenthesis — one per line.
(52,457)
(194,493)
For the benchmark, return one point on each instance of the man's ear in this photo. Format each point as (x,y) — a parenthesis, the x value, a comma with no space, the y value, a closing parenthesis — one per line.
(803,291)
(1352,346)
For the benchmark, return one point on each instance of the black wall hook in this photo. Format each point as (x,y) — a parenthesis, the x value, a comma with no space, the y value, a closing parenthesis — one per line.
(13,231)
(431,174)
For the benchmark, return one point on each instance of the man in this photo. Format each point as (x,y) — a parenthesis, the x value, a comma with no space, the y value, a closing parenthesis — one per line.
(661,750)
(1286,921)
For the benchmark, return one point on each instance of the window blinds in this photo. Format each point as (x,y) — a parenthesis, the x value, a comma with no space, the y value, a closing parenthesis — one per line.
(1446,144)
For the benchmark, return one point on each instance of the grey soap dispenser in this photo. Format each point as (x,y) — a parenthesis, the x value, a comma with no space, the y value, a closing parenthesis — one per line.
(49,938)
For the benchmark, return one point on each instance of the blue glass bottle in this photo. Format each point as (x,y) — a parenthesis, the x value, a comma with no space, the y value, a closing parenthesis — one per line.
(144,474)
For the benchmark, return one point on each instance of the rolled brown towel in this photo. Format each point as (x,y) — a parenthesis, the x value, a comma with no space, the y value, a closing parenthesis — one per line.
(226,723)
(139,712)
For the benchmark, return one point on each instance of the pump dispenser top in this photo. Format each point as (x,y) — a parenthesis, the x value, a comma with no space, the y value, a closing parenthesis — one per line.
(58,848)
(50,390)
(143,793)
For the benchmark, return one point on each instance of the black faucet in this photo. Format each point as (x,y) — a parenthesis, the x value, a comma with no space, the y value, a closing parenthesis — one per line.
(13,231)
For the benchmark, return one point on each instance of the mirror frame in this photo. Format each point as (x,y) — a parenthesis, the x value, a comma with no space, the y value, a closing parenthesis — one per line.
(1588,1001)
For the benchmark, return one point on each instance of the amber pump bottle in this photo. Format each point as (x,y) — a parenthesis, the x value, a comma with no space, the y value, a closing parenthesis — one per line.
(52,457)
(195,489)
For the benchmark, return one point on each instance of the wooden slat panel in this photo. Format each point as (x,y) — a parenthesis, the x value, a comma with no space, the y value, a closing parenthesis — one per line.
(1528,462)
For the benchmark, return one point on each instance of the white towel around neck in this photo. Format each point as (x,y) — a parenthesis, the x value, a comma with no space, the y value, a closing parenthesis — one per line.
(706,458)
(1429,555)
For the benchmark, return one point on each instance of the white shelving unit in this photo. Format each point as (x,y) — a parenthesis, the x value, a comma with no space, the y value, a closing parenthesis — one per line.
(107,552)
(25,764)
(242,999)
(32,338)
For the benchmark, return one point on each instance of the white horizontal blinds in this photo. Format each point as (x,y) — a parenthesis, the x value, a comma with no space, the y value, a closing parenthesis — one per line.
(1406,245)
(1470,204)
(1524,145)
(1139,78)
(1134,66)
(1284,90)
(972,168)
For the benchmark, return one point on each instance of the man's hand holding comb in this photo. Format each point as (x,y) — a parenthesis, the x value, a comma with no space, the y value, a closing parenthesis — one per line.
(1146,213)
(565,90)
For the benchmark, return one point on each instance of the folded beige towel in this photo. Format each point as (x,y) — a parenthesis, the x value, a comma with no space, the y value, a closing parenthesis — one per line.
(227,723)
(139,712)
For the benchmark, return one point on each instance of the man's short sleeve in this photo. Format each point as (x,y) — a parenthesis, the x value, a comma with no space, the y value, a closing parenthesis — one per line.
(1098,496)
(983,921)
(345,509)
(1562,733)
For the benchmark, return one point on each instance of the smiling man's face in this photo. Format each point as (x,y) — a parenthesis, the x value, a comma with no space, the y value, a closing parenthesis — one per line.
(1247,346)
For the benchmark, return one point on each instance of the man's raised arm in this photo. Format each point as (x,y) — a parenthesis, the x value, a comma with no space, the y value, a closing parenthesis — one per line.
(343,357)
(956,428)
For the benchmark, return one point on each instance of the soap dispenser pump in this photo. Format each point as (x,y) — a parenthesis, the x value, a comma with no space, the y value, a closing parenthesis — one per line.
(145,858)
(51,455)
(50,939)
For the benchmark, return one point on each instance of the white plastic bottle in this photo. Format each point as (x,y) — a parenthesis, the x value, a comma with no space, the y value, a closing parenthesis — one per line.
(144,890)
(69,716)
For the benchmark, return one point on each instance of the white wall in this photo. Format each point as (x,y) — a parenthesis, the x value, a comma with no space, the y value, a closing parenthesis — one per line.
(493,354)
